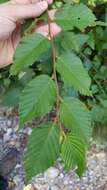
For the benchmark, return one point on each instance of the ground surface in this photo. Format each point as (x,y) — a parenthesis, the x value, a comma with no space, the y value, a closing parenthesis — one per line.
(12,145)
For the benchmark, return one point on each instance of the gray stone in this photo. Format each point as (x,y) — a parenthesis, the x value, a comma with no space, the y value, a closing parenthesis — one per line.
(54,187)
(7,135)
(51,173)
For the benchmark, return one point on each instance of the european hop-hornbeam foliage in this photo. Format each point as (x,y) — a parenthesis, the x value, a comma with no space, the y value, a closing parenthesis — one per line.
(42,149)
(59,81)
(37,98)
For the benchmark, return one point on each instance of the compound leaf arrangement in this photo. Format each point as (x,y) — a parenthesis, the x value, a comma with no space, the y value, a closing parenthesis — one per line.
(66,135)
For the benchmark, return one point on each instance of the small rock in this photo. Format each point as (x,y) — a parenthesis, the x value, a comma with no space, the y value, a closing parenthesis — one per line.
(54,187)
(9,123)
(66,182)
(61,175)
(29,187)
(7,135)
(51,173)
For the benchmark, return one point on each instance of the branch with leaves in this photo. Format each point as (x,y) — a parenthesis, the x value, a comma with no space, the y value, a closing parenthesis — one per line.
(68,135)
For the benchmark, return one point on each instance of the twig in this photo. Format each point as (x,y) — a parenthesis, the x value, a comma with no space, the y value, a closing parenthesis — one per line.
(54,76)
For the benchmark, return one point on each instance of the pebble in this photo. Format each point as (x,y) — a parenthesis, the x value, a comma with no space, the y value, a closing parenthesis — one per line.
(61,175)
(54,188)
(7,135)
(9,123)
(51,173)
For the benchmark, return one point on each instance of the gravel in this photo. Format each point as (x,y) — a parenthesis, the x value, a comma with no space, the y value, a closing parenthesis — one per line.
(94,178)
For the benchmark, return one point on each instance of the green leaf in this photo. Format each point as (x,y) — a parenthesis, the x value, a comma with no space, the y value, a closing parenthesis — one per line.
(37,98)
(11,97)
(25,77)
(73,153)
(79,16)
(91,40)
(28,51)
(68,91)
(42,149)
(99,114)
(72,71)
(100,23)
(75,116)
(3,1)
(72,41)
